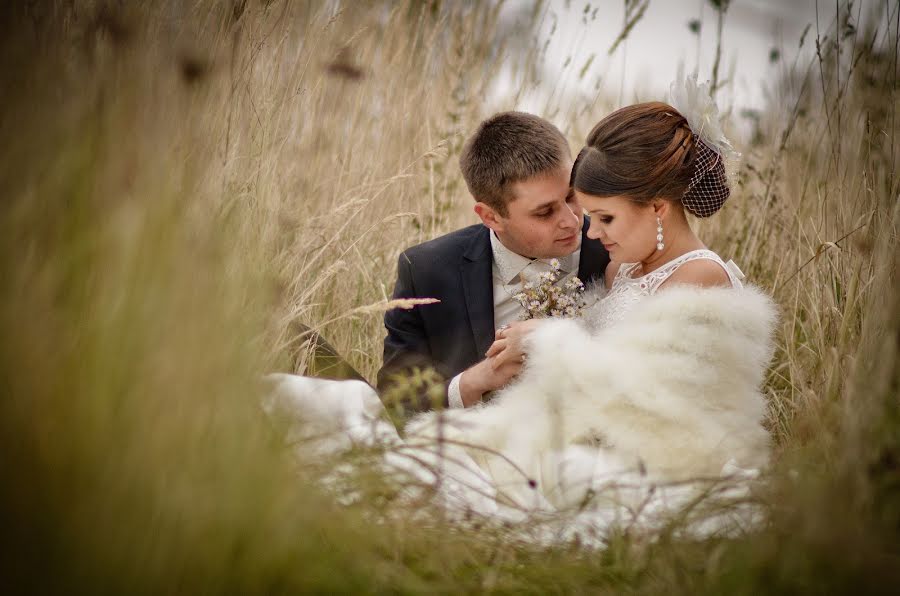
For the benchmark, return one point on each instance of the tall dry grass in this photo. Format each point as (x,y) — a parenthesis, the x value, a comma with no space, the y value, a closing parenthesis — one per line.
(182,182)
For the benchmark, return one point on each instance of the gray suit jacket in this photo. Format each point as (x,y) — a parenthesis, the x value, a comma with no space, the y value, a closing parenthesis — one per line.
(454,334)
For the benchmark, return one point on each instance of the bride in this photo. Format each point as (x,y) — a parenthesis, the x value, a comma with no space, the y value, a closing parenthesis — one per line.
(658,382)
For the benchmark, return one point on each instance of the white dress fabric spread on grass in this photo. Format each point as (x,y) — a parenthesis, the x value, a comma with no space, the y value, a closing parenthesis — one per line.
(619,418)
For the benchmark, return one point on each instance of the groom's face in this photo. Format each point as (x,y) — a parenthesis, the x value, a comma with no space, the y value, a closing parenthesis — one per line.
(543,218)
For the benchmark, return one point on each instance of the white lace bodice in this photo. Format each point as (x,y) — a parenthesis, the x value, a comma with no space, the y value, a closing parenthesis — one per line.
(627,290)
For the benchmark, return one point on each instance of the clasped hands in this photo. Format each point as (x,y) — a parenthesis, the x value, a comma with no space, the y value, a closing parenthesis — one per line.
(503,361)
(508,348)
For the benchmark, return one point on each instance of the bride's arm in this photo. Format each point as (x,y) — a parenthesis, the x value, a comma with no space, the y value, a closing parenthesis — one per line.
(701,272)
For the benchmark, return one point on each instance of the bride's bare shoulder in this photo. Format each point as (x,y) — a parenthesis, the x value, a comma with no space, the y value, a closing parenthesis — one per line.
(705,273)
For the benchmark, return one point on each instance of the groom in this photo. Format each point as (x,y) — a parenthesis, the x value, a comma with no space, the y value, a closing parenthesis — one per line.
(517,168)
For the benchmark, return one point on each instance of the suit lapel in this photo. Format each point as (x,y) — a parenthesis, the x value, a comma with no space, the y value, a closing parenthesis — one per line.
(478,287)
(594,258)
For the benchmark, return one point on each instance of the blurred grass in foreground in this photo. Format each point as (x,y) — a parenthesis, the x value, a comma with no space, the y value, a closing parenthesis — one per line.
(182,183)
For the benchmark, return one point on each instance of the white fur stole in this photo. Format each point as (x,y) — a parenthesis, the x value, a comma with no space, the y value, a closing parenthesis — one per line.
(673,388)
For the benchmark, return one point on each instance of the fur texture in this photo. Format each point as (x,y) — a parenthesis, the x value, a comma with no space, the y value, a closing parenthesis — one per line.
(674,389)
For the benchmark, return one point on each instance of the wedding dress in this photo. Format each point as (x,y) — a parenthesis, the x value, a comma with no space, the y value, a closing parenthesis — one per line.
(628,288)
(612,414)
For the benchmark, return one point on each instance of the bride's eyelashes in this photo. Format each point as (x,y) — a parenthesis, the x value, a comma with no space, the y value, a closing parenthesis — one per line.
(603,218)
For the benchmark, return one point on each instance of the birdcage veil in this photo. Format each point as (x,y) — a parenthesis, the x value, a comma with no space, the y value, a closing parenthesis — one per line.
(717,161)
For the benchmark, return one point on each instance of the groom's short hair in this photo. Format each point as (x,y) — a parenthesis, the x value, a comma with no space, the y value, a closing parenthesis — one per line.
(510,147)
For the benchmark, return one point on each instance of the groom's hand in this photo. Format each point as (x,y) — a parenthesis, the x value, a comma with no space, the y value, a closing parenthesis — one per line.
(509,344)
(485,377)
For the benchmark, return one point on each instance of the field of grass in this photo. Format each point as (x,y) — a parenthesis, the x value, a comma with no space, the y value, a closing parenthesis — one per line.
(184,182)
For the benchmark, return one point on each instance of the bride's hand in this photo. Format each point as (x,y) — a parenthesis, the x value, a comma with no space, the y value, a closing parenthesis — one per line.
(508,346)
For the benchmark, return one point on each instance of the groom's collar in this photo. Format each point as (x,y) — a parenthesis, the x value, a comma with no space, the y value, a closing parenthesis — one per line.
(511,264)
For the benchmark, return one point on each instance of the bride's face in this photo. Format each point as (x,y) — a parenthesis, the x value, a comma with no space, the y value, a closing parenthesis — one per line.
(626,229)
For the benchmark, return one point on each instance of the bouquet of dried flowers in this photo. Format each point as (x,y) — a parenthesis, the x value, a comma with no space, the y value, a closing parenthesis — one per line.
(546,299)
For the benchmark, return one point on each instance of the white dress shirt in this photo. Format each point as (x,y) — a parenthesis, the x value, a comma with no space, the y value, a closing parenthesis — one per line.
(510,271)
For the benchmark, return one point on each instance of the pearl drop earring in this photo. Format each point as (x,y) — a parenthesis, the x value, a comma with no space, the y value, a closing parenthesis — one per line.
(659,235)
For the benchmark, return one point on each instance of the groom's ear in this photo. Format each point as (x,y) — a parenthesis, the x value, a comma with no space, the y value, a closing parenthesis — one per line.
(489,217)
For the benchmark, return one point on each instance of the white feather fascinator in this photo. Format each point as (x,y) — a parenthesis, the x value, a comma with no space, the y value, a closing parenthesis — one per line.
(717,161)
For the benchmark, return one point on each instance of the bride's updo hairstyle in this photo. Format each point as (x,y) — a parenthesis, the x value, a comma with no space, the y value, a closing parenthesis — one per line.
(647,151)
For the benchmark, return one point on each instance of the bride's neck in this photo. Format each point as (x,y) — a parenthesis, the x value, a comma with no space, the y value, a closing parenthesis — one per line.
(678,238)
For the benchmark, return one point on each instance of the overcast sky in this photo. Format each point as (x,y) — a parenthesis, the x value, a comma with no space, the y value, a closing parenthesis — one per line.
(646,63)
